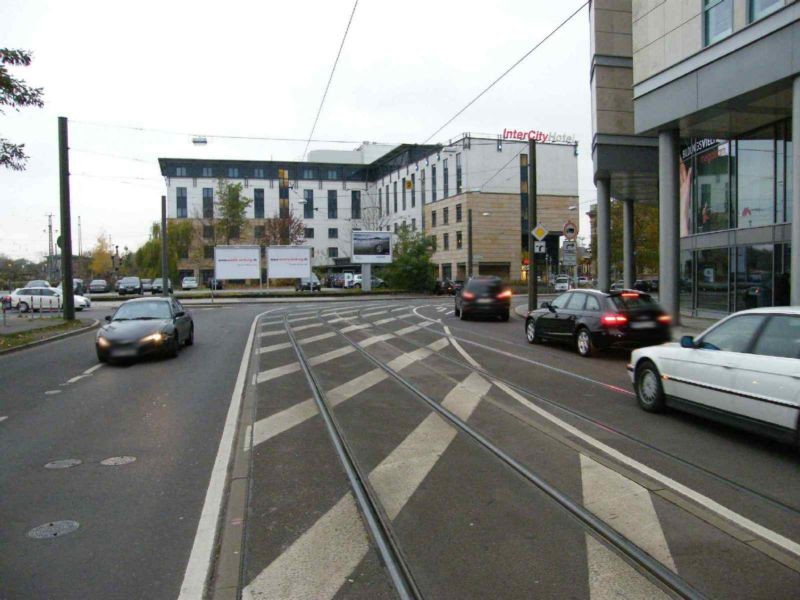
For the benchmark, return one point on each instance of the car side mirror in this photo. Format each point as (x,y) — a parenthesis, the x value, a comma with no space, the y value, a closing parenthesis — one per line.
(108,318)
(180,313)
(687,341)
(544,304)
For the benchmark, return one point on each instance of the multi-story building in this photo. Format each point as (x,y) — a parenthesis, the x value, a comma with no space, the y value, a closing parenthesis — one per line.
(374,187)
(695,106)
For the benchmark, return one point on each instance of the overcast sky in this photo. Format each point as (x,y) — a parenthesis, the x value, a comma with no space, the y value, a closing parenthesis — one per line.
(259,69)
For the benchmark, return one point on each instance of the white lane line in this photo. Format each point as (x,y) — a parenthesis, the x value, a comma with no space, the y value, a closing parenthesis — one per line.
(76,378)
(441,309)
(375,339)
(299,319)
(91,370)
(399,475)
(316,338)
(3,419)
(304,327)
(399,309)
(405,316)
(411,328)
(317,564)
(52,392)
(374,314)
(270,333)
(421,316)
(384,321)
(197,569)
(461,350)
(450,312)
(350,328)
(274,347)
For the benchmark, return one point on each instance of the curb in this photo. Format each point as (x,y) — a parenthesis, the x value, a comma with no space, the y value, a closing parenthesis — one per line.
(283,300)
(52,338)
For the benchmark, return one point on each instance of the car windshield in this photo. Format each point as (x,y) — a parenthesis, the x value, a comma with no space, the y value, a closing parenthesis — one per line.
(631,301)
(98,282)
(152,309)
(130,280)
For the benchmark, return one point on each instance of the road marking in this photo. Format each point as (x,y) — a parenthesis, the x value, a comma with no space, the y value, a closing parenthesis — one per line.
(450,312)
(375,339)
(611,578)
(387,320)
(375,314)
(271,322)
(304,327)
(91,370)
(411,329)
(52,392)
(274,347)
(421,316)
(295,366)
(299,319)
(340,319)
(3,419)
(317,564)
(441,309)
(269,333)
(199,565)
(461,350)
(248,438)
(356,327)
(76,378)
(399,309)
(317,338)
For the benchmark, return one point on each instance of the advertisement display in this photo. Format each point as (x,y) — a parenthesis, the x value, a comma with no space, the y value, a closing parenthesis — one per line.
(288,262)
(372,247)
(237,262)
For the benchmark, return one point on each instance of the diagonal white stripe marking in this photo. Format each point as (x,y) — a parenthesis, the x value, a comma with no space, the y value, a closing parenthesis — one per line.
(276,372)
(328,356)
(399,309)
(304,327)
(274,347)
(299,319)
(316,338)
(91,370)
(271,322)
(3,418)
(340,319)
(271,333)
(412,328)
(387,320)
(375,314)
(611,578)
(76,378)
(350,328)
(375,339)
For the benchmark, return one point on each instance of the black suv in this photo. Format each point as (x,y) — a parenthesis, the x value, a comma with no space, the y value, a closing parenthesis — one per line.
(592,320)
(483,296)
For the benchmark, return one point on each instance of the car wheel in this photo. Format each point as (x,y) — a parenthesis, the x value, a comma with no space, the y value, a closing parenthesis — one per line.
(504,315)
(174,346)
(190,339)
(23,307)
(583,343)
(456,312)
(462,315)
(101,357)
(530,331)
(649,391)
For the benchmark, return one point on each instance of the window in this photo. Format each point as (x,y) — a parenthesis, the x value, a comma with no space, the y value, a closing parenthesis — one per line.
(445,216)
(387,199)
(258,203)
(181,197)
(734,335)
(458,173)
(446,178)
(404,193)
(459,240)
(433,183)
(309,233)
(395,196)
(433,218)
(258,232)
(308,207)
(458,213)
(396,227)
(433,242)
(713,190)
(754,276)
(180,171)
(413,190)
(413,224)
(333,207)
(208,232)
(712,279)
(234,233)
(333,233)
(761,8)
(208,172)
(755,176)
(333,252)
(592,304)
(781,337)
(355,204)
(307,173)
(208,203)
(380,200)
(561,301)
(333,174)
(718,19)
(258,173)
(446,241)
(233,172)
(422,186)
(576,302)
(208,251)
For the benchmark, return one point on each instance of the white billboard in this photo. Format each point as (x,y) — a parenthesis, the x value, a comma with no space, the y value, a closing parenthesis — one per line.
(288,262)
(237,262)
(373,247)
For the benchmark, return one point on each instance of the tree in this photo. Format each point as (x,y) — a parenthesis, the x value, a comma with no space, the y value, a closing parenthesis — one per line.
(15,93)
(232,208)
(147,258)
(283,231)
(411,268)
(645,237)
(101,256)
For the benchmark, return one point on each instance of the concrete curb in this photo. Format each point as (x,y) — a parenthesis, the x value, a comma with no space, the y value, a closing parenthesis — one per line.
(52,338)
(280,300)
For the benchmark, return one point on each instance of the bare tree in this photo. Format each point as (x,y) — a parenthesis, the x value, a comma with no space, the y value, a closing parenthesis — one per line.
(283,231)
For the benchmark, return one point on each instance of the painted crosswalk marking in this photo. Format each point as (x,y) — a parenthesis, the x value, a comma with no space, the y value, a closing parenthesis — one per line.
(274,347)
(271,333)
(350,328)
(293,367)
(304,327)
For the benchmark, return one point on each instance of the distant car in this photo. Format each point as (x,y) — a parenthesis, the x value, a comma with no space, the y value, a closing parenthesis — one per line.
(99,286)
(583,281)
(642,285)
(358,282)
(743,370)
(158,286)
(214,284)
(130,285)
(147,285)
(43,298)
(563,283)
(78,287)
(37,283)
(618,286)
(189,283)
(79,302)
(145,326)
(443,287)
(592,320)
(483,296)
(309,284)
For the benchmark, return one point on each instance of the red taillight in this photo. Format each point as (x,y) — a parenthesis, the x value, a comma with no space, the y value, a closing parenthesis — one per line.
(504,295)
(666,319)
(629,295)
(467,295)
(612,320)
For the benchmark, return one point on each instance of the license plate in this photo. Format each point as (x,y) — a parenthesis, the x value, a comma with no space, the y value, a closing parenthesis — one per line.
(484,300)
(643,325)
(123,352)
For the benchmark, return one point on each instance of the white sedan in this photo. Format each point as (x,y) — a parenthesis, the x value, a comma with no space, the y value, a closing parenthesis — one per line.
(43,298)
(744,370)
(189,283)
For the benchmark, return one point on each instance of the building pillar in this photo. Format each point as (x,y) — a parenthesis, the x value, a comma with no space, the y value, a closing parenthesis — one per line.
(603,233)
(795,227)
(668,223)
(628,250)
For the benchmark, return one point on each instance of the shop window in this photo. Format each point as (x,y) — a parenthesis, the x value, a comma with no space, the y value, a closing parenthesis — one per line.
(754,282)
(712,279)
(687,280)
(713,190)
(755,174)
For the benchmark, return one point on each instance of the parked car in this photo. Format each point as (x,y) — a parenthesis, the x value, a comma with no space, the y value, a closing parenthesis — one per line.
(79,302)
(618,286)
(358,281)
(483,296)
(99,286)
(189,283)
(130,285)
(117,284)
(583,281)
(36,283)
(457,285)
(78,287)
(43,298)
(642,285)
(591,320)
(145,326)
(158,286)
(443,286)
(308,284)
(563,283)
(147,285)
(214,284)
(742,371)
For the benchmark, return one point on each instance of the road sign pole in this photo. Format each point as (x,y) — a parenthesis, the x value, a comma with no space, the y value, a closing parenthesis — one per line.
(532,219)
(66,226)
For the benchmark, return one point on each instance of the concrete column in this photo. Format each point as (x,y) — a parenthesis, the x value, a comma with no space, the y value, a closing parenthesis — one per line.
(795,253)
(628,257)
(668,223)
(603,233)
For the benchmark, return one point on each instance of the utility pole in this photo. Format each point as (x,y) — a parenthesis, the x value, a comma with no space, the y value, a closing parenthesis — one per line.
(66,226)
(164,266)
(532,222)
(49,246)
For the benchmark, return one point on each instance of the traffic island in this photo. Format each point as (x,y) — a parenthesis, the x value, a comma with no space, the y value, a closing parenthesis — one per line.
(23,333)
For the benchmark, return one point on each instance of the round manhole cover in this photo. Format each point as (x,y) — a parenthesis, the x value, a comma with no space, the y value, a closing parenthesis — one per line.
(115,461)
(64,463)
(54,529)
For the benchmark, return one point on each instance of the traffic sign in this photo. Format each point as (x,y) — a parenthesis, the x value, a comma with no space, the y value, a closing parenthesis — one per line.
(539,232)
(570,230)
(569,257)
(540,247)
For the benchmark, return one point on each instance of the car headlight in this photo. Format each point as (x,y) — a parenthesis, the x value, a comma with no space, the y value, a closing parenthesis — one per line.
(155,338)
(103,342)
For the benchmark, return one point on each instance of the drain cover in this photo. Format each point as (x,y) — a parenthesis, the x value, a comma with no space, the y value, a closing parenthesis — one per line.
(115,461)
(54,529)
(64,463)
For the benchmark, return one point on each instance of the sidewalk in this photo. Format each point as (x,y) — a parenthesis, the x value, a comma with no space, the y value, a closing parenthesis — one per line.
(17,323)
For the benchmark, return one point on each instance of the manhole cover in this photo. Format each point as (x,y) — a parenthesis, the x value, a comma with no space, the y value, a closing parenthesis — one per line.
(64,463)
(54,529)
(115,461)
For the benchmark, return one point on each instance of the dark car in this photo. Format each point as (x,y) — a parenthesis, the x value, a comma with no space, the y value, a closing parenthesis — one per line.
(158,286)
(130,285)
(443,286)
(147,285)
(592,320)
(483,296)
(642,285)
(145,326)
(307,284)
(99,286)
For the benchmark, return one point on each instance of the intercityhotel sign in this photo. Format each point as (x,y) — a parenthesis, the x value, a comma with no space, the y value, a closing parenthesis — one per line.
(540,137)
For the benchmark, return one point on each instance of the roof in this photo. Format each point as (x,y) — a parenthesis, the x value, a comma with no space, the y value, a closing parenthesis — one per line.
(770,310)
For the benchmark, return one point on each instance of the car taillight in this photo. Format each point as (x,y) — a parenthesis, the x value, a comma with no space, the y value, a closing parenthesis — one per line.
(629,295)
(613,320)
(665,319)
(468,295)
(504,295)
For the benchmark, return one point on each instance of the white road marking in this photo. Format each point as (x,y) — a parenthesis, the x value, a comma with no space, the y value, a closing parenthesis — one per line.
(384,321)
(340,319)
(275,372)
(350,328)
(461,350)
(421,316)
(317,564)
(316,338)
(76,378)
(375,339)
(197,569)
(611,578)
(247,442)
(91,370)
(3,418)
(450,312)
(271,322)
(405,316)
(304,327)
(52,392)
(299,319)
(274,347)
(375,314)
(269,333)
(411,329)
(399,309)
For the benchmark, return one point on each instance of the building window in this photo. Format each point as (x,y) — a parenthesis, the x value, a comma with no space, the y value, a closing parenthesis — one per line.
(333,233)
(713,190)
(307,173)
(446,178)
(445,241)
(433,243)
(208,232)
(181,197)
(413,190)
(396,227)
(180,171)
(718,19)
(233,172)
(755,178)
(380,200)
(413,224)
(234,233)
(433,218)
(422,186)
(404,193)
(258,174)
(445,216)
(258,203)
(208,172)
(458,213)
(459,240)
(712,279)
(208,251)
(208,203)
(458,173)
(308,207)
(433,183)
(761,8)
(309,233)
(387,200)
(394,191)
(258,232)
(333,174)
(355,204)
(333,209)
(333,252)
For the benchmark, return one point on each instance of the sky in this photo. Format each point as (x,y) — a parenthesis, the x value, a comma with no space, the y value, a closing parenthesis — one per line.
(137,80)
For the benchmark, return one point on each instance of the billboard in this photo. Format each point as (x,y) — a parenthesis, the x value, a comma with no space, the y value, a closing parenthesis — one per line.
(374,247)
(237,262)
(288,262)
